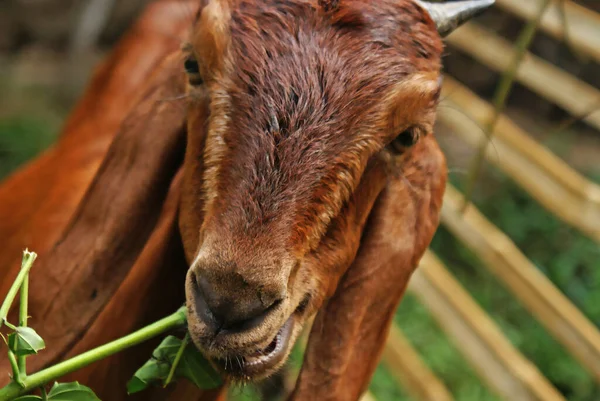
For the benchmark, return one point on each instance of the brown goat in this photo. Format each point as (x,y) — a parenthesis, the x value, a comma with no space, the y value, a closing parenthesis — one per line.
(302,173)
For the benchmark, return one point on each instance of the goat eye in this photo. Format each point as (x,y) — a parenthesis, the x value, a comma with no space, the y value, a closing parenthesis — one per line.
(405,140)
(193,71)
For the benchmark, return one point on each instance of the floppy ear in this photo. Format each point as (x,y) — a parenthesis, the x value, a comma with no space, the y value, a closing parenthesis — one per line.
(118,264)
(152,289)
(350,331)
(75,280)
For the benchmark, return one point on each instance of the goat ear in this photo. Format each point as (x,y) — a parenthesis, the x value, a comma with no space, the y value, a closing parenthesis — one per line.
(153,288)
(115,220)
(351,329)
(158,269)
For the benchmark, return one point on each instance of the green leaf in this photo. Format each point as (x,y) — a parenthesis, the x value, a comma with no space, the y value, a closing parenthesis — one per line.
(167,349)
(25,341)
(71,392)
(153,372)
(28,398)
(192,366)
(156,369)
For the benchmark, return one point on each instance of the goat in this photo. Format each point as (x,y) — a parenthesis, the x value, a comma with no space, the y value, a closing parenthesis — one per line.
(301,179)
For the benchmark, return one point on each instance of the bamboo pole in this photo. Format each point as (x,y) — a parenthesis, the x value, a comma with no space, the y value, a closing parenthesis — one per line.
(551,181)
(406,366)
(475,334)
(542,77)
(501,94)
(583,25)
(537,294)
(368,397)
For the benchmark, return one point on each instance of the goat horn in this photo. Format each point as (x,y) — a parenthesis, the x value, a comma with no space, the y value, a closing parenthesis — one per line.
(450,15)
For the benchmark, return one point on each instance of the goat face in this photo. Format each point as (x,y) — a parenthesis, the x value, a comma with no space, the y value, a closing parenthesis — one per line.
(299,114)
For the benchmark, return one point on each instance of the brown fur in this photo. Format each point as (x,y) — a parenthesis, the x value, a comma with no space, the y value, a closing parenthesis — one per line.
(290,196)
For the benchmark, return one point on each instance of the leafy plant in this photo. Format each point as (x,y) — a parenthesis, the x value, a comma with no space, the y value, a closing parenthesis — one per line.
(70,392)
(25,341)
(174,358)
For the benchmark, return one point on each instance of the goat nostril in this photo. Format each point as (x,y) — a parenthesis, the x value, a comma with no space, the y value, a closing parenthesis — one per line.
(201,293)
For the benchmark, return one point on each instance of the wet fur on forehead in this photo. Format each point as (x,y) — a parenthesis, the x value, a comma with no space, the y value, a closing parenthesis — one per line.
(297,105)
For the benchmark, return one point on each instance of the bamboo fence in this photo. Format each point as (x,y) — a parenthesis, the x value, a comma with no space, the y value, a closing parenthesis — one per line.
(550,181)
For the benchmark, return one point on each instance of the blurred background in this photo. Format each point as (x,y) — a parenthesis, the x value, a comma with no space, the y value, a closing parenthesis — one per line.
(507,304)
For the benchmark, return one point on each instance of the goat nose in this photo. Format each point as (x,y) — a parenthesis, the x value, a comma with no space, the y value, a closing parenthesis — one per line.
(223,306)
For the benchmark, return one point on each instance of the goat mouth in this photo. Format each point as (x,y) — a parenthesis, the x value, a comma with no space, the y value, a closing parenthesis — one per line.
(259,363)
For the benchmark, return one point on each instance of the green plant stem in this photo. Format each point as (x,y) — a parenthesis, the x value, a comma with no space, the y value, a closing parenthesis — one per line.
(28,259)
(178,356)
(15,368)
(42,377)
(9,325)
(21,360)
(499,101)
(44,393)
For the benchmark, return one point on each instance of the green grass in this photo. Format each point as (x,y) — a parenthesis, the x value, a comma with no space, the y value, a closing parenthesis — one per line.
(22,138)
(438,352)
